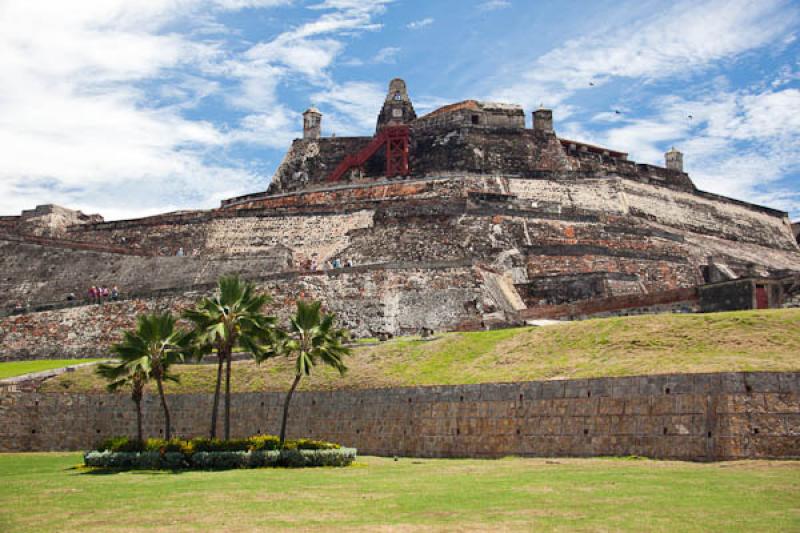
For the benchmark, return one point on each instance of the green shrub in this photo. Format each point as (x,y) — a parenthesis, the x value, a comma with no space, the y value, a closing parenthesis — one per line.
(175,445)
(201,444)
(310,444)
(120,444)
(151,460)
(219,460)
(264,442)
(203,453)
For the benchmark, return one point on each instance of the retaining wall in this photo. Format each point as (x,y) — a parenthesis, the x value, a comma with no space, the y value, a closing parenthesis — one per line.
(693,417)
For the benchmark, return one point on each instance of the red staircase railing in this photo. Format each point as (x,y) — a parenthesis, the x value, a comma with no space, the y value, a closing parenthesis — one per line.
(395,138)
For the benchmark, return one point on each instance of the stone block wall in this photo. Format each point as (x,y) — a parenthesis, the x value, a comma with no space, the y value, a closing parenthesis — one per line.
(85,331)
(397,299)
(691,417)
(319,237)
(676,301)
(44,274)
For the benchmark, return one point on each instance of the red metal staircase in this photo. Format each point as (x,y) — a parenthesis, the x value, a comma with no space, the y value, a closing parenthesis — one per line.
(395,138)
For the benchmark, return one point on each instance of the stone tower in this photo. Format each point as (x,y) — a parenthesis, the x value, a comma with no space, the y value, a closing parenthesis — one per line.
(674,160)
(312,123)
(543,119)
(397,108)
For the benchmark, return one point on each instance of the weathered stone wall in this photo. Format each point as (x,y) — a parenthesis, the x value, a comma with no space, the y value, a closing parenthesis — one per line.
(472,114)
(397,299)
(470,137)
(85,331)
(156,235)
(438,253)
(692,417)
(47,274)
(310,161)
(671,301)
(318,237)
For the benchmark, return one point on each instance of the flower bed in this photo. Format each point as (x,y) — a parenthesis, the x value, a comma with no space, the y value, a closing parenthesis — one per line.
(207,454)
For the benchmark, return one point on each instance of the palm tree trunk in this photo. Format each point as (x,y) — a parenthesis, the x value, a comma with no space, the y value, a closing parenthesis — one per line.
(166,409)
(227,395)
(215,409)
(286,408)
(139,419)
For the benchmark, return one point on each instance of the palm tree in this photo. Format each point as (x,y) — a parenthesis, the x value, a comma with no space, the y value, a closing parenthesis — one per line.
(230,319)
(121,375)
(311,339)
(149,351)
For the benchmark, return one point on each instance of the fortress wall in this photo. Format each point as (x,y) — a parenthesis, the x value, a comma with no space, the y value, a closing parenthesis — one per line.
(398,301)
(158,235)
(337,194)
(367,301)
(697,214)
(312,160)
(320,237)
(691,212)
(478,150)
(593,195)
(690,417)
(741,253)
(669,301)
(46,274)
(78,332)
(655,275)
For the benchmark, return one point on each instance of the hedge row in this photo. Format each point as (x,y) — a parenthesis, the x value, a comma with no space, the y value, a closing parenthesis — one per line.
(188,447)
(173,460)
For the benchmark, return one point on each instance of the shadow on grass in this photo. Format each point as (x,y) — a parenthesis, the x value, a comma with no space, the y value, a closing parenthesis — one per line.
(81,470)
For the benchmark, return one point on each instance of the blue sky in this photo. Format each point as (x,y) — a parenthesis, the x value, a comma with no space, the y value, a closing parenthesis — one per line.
(129,108)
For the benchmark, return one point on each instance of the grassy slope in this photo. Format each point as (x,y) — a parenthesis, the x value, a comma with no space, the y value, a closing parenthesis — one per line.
(655,344)
(17,368)
(512,494)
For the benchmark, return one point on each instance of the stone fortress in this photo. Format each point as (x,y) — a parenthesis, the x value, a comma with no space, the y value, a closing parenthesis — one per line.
(463,218)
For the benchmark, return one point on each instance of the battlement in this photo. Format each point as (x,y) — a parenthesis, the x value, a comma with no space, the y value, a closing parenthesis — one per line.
(471,136)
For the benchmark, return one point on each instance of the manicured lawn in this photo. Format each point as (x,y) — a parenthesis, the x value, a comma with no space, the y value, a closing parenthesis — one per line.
(654,344)
(17,368)
(41,492)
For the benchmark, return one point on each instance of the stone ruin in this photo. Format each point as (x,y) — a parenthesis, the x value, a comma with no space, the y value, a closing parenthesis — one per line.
(463,218)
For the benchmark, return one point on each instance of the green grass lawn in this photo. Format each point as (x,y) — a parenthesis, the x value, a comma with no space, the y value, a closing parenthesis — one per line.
(42,492)
(652,344)
(12,369)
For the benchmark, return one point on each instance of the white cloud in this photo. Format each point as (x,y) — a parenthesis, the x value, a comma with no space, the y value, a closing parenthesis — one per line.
(243,4)
(94,93)
(737,143)
(386,55)
(419,24)
(493,5)
(673,42)
(354,107)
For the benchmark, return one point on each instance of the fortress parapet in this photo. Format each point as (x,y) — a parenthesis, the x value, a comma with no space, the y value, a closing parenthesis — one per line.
(471,136)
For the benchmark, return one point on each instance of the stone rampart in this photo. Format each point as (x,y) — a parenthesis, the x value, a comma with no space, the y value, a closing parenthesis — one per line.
(44,274)
(685,300)
(393,298)
(691,417)
(422,250)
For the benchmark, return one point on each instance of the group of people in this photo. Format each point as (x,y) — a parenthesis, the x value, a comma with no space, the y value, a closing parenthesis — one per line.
(312,265)
(101,294)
